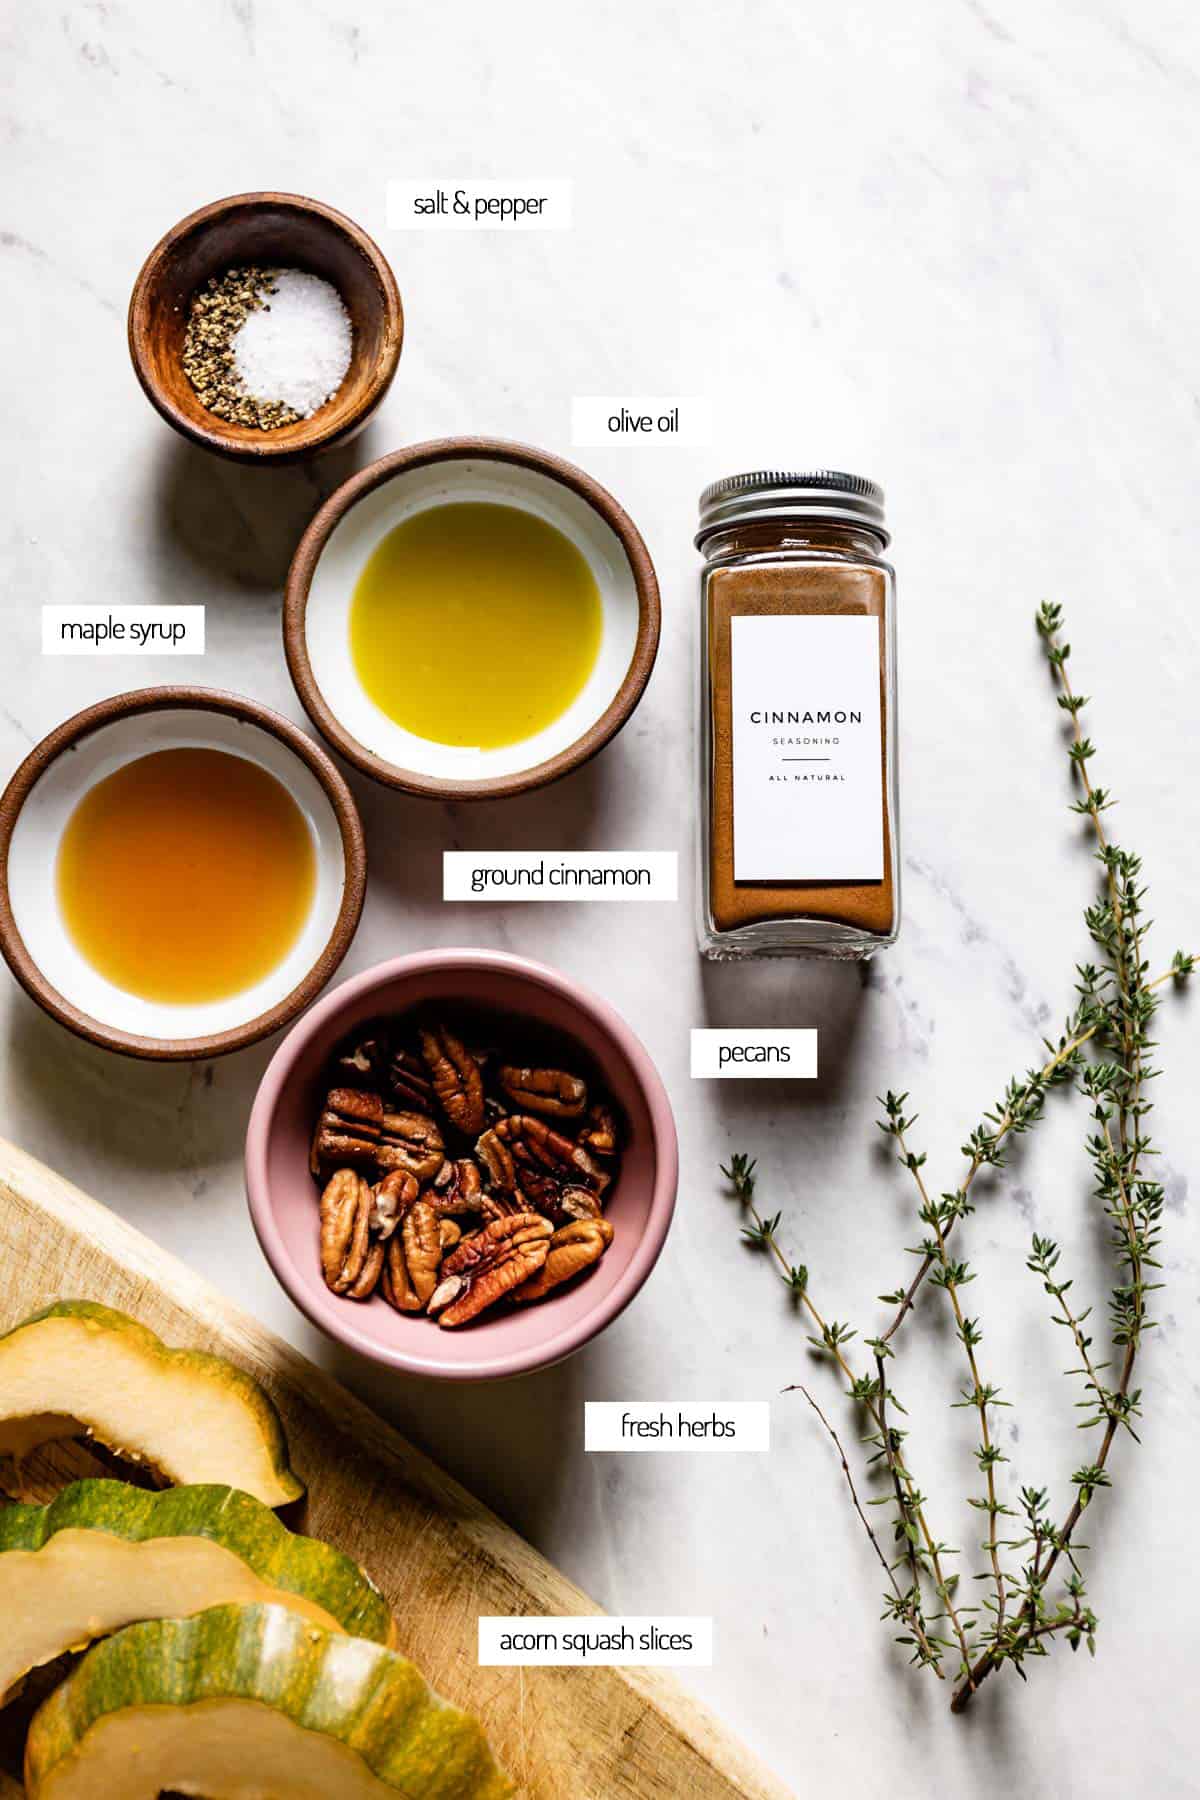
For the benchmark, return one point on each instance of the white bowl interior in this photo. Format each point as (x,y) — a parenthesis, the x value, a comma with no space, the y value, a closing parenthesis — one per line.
(347,551)
(33,857)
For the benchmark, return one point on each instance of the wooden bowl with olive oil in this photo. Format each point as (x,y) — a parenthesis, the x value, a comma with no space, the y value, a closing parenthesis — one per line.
(181,872)
(470,618)
(265,231)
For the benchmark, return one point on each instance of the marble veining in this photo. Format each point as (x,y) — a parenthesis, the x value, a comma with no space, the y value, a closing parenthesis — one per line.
(950,245)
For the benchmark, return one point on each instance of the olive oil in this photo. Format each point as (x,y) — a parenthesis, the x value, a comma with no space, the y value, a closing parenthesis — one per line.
(475,624)
(186,876)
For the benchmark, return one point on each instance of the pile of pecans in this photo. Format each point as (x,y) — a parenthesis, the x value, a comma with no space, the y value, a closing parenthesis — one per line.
(452,1178)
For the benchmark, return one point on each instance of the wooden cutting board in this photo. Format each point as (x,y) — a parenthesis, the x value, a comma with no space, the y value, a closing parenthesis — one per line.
(441,1557)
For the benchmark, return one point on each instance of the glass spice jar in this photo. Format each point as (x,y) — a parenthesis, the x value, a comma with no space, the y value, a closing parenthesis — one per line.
(798,718)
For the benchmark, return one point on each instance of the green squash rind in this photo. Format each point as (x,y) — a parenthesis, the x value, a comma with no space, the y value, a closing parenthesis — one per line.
(200,1362)
(223,1515)
(370,1699)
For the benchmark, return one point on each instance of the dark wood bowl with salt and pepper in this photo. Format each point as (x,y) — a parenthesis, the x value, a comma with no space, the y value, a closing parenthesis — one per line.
(258,254)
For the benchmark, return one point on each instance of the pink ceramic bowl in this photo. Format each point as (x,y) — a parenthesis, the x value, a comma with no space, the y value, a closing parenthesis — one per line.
(283,1196)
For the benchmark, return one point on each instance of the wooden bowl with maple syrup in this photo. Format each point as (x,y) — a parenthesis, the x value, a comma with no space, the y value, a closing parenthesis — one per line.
(181,872)
(277,231)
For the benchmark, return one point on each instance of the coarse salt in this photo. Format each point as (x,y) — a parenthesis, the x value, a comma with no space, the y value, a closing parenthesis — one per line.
(295,347)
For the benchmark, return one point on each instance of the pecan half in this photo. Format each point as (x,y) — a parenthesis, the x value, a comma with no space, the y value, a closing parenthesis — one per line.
(390,1200)
(409,1082)
(573,1248)
(414,1256)
(456,1076)
(494,1153)
(551,1092)
(457,1188)
(489,1265)
(451,1235)
(410,1141)
(523,1151)
(395,1286)
(369,1276)
(599,1135)
(347,1132)
(574,1203)
(348,1260)
(421,1232)
(446,1291)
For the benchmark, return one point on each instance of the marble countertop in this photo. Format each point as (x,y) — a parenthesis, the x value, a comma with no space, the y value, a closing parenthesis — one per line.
(951,245)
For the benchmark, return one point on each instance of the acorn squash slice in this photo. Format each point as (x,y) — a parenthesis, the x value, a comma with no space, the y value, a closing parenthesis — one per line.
(244,1702)
(104,1555)
(80,1369)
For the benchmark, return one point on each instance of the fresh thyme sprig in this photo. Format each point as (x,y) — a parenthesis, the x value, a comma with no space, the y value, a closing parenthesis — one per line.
(1121,1003)
(1103,1403)
(899,1604)
(952,1276)
(1019,1108)
(921,1552)
(1111,1020)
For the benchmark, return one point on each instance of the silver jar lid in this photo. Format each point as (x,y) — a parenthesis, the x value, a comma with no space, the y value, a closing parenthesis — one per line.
(771,496)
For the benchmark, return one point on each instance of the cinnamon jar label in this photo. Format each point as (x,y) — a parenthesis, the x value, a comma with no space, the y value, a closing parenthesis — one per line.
(807,749)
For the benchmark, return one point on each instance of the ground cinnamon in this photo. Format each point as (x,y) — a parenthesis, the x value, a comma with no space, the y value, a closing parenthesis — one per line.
(798,698)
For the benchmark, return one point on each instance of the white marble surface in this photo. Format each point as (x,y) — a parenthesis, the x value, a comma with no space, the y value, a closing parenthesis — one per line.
(951,244)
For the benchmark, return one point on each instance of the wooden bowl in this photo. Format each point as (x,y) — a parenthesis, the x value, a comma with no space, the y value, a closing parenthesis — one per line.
(40,799)
(286,231)
(339,542)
